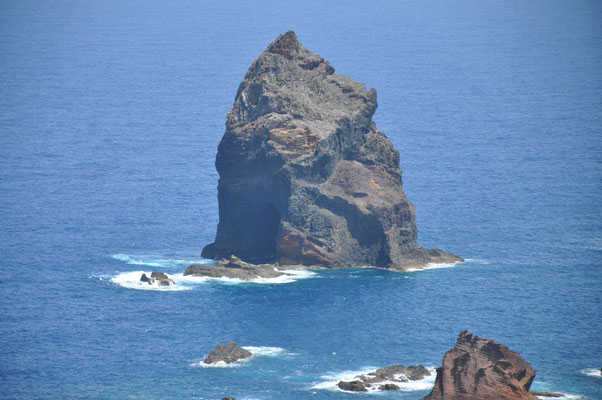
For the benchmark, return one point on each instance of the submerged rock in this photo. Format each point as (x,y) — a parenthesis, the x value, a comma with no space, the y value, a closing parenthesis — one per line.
(305,176)
(482,369)
(158,278)
(234,267)
(384,378)
(228,353)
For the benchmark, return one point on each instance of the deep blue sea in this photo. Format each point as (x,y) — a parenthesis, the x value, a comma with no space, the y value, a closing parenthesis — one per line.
(110,117)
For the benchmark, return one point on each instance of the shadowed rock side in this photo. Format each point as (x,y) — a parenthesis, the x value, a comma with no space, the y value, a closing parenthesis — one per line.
(482,369)
(305,176)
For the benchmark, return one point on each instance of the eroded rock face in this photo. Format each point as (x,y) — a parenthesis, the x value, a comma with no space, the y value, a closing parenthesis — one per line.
(305,176)
(228,353)
(482,369)
(234,267)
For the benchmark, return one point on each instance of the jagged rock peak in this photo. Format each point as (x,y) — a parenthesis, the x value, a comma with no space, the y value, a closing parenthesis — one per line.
(482,369)
(305,176)
(287,45)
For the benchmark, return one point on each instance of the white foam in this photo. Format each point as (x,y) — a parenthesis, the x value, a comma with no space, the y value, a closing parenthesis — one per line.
(154,261)
(565,396)
(434,266)
(290,276)
(220,364)
(476,261)
(331,380)
(131,280)
(596,373)
(267,351)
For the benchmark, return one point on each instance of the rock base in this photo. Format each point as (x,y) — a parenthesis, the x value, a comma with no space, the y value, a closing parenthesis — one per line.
(234,268)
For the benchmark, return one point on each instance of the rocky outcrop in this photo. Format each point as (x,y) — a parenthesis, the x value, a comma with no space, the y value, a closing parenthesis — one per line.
(352,386)
(305,176)
(228,353)
(157,278)
(482,369)
(234,267)
(389,386)
(385,378)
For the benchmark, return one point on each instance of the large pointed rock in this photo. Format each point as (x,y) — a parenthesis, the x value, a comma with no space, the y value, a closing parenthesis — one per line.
(482,369)
(305,176)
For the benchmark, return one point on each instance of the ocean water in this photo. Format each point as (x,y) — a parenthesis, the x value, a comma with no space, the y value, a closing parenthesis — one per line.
(110,116)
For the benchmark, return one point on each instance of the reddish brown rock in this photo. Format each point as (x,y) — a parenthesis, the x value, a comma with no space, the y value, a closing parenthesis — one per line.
(482,369)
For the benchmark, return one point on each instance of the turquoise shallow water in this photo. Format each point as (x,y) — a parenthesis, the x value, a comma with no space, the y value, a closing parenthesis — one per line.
(110,116)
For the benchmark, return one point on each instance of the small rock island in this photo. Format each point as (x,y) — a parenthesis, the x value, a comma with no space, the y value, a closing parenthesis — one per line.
(306,178)
(228,353)
(157,278)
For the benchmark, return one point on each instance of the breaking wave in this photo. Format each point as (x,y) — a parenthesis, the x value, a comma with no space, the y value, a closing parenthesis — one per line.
(131,280)
(157,261)
(596,373)
(564,396)
(434,266)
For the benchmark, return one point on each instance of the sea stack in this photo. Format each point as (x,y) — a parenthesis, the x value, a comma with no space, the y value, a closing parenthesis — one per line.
(482,369)
(305,176)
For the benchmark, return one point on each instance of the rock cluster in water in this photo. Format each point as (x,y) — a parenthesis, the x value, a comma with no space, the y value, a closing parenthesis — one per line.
(385,378)
(157,278)
(228,353)
(482,369)
(305,176)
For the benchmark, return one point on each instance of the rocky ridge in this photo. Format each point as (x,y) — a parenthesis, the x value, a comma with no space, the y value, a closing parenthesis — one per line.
(305,176)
